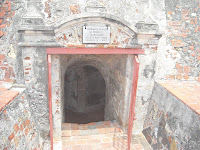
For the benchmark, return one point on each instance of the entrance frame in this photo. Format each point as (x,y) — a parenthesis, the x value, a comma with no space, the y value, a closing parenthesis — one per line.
(70,51)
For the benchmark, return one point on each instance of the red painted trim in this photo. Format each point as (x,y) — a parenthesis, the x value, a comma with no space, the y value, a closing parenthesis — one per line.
(133,99)
(52,51)
(50,99)
(93,51)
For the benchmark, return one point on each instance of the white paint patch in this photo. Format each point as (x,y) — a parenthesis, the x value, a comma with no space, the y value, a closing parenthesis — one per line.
(12,52)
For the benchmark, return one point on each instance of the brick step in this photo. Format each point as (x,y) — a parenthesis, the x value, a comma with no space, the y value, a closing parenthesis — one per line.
(105,135)
(94,128)
(95,136)
(94,141)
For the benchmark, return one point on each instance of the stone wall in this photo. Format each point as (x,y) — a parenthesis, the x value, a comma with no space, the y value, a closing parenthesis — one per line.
(183,31)
(6,13)
(169,123)
(57,96)
(63,15)
(36,81)
(138,22)
(10,56)
(6,70)
(17,126)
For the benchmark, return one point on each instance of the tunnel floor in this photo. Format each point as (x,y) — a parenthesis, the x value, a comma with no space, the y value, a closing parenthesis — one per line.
(83,118)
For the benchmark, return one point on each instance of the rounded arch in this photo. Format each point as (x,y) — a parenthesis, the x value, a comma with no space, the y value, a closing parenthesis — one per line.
(97,18)
(92,61)
(85,93)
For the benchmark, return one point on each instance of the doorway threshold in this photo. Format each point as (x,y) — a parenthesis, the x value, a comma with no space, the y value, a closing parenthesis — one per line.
(103,135)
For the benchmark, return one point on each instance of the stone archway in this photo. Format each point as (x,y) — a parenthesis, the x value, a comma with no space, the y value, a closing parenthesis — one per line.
(114,69)
(69,34)
(84,94)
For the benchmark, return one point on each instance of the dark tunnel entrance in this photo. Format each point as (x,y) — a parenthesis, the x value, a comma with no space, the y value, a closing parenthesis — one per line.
(84,92)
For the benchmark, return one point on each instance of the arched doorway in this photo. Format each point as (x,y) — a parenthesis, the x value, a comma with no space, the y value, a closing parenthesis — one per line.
(84,94)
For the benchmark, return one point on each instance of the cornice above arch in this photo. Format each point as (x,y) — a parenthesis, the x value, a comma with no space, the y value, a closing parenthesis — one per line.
(68,32)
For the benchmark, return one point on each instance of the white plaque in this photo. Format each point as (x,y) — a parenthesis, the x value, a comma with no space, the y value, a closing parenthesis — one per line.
(96,34)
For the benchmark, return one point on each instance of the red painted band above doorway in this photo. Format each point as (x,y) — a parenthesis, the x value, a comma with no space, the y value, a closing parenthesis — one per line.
(94,51)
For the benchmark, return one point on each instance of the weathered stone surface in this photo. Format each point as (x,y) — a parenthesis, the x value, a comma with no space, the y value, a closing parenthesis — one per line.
(134,24)
(71,35)
(35,73)
(169,123)
(182,37)
(13,119)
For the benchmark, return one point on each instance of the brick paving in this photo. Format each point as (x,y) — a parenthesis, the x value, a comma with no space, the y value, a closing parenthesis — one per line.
(187,92)
(105,135)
